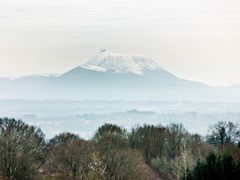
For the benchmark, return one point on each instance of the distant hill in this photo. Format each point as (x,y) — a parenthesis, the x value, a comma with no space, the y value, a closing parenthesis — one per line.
(111,76)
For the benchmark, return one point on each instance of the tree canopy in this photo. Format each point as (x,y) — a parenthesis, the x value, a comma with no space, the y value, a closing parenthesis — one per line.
(22,148)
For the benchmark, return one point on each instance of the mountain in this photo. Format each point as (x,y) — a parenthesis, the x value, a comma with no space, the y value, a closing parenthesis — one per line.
(107,61)
(110,76)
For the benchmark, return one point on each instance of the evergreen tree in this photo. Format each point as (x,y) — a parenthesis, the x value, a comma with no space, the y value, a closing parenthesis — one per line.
(221,167)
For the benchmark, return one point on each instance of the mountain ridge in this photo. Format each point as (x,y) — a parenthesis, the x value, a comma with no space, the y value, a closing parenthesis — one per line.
(114,76)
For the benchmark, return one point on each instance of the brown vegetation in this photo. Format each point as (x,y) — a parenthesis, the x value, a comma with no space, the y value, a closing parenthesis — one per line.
(145,153)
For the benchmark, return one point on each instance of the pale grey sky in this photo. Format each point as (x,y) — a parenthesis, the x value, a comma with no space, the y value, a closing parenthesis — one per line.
(194,39)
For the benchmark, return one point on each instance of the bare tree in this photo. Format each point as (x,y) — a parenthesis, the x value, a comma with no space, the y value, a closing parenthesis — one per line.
(21,149)
(224,133)
(98,167)
(69,159)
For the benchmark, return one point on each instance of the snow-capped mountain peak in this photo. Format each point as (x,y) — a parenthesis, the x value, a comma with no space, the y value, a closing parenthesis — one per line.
(107,61)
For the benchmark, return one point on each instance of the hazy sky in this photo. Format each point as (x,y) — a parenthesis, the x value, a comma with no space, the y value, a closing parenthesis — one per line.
(194,39)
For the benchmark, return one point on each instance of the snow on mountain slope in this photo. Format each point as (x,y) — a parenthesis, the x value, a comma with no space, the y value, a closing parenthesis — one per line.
(107,61)
(112,76)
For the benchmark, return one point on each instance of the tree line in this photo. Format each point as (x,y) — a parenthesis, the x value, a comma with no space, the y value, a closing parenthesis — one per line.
(145,153)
